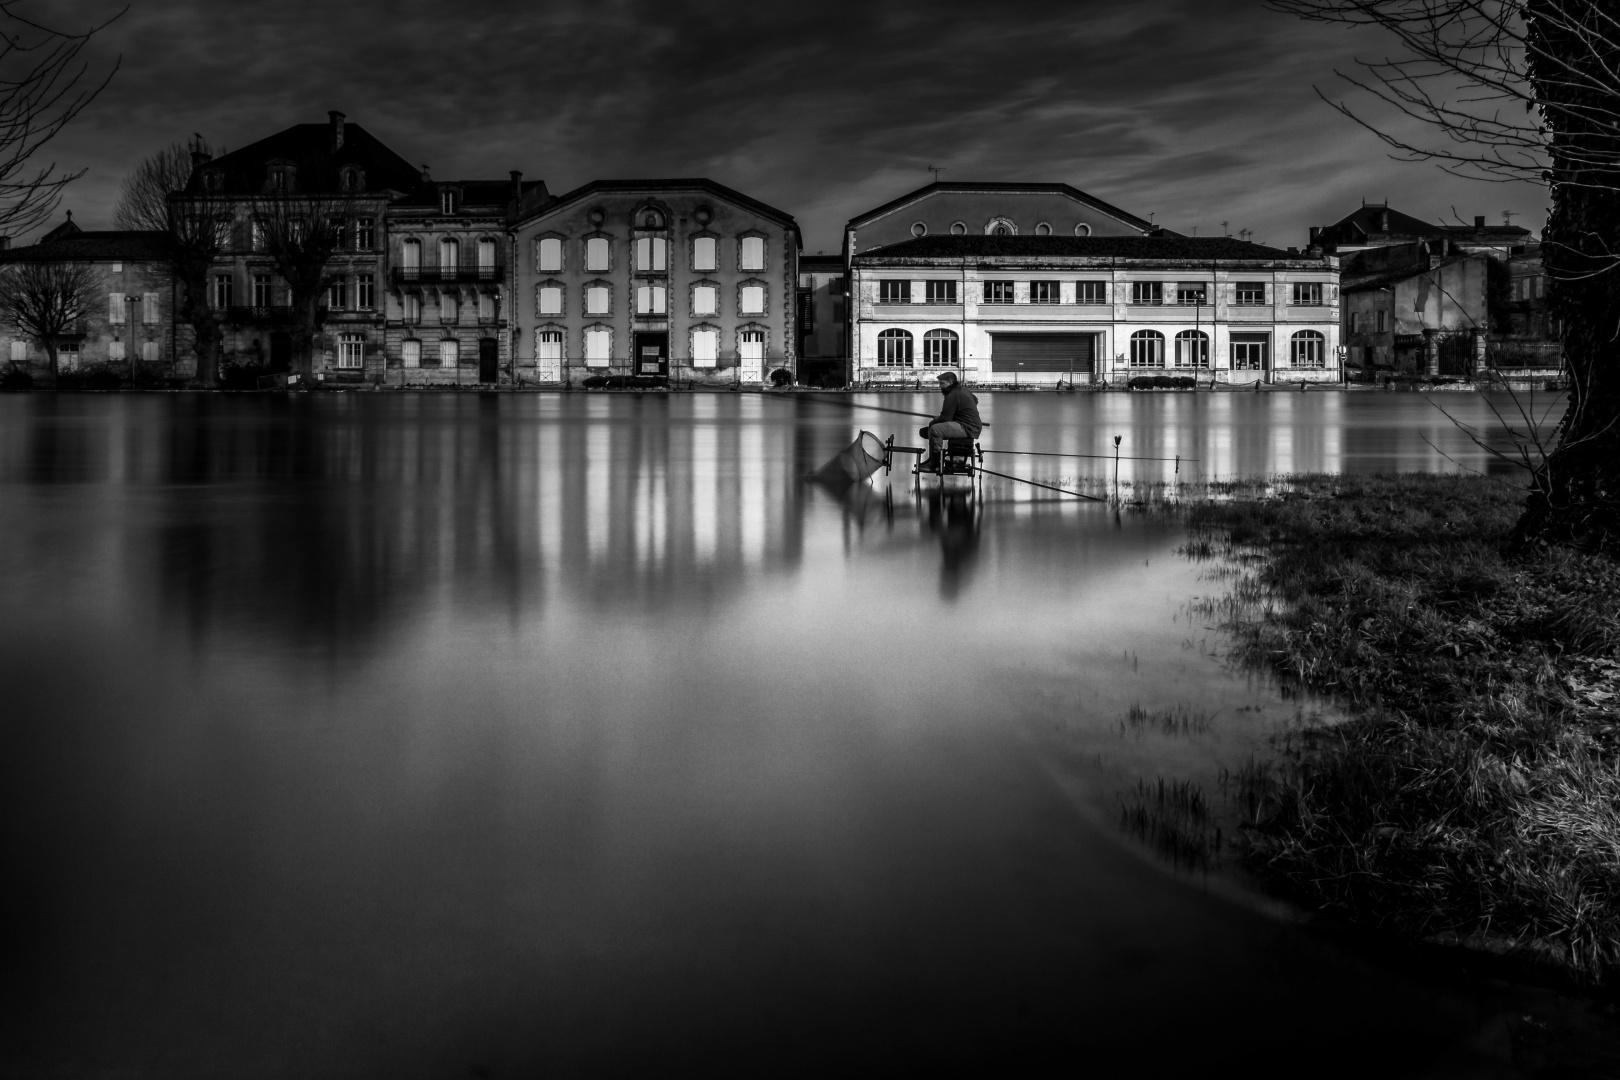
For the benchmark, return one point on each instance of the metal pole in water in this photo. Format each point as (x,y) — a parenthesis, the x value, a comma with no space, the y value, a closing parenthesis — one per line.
(1116,466)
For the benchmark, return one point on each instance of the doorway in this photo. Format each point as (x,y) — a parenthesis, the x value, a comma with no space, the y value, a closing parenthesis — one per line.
(489,360)
(280,352)
(652,354)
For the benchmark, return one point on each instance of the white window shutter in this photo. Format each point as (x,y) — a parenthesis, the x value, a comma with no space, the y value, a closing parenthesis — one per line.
(149,308)
(115,307)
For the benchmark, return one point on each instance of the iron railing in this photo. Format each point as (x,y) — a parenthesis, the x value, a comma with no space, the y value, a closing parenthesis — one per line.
(446,273)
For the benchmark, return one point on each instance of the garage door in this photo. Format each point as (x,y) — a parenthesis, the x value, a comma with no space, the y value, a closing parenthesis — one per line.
(1042,352)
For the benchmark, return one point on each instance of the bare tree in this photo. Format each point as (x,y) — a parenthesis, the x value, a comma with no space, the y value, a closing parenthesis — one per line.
(1526,90)
(155,198)
(44,83)
(46,300)
(301,232)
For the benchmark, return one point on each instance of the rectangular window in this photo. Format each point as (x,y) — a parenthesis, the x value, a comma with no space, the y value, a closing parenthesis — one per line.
(1383,320)
(1308,293)
(447,202)
(486,258)
(149,352)
(548,255)
(365,234)
(115,350)
(449,309)
(548,299)
(258,232)
(337,296)
(651,254)
(224,291)
(1355,322)
(1250,292)
(365,292)
(1147,292)
(149,308)
(486,307)
(598,348)
(596,300)
(1192,292)
(115,308)
(705,348)
(753,253)
(1249,352)
(548,345)
(413,309)
(940,292)
(596,254)
(998,292)
(410,353)
(752,300)
(704,255)
(651,300)
(19,352)
(705,300)
(894,292)
(1045,292)
(262,294)
(1091,292)
(351,351)
(67,355)
(449,352)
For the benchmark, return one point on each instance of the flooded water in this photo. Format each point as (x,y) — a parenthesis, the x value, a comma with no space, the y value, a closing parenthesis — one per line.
(449,736)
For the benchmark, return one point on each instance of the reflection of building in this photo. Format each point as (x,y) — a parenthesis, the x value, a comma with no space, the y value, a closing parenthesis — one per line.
(131,314)
(663,279)
(823,339)
(1052,308)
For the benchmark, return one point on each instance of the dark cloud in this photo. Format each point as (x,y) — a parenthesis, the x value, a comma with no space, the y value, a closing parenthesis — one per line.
(1197,111)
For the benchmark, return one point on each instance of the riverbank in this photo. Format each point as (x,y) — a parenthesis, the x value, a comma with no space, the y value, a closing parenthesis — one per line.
(1475,798)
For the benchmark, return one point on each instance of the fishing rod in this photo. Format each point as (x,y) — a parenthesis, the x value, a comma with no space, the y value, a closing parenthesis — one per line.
(1048,487)
(861,405)
(1099,457)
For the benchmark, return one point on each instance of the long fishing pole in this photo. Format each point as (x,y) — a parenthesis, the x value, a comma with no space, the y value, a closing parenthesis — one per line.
(862,405)
(1100,457)
(1048,487)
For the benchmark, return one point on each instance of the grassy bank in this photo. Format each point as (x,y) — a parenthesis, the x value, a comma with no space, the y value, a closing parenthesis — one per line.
(1476,796)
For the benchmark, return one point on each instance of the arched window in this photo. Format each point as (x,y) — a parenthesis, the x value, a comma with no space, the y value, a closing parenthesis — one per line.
(1192,349)
(548,255)
(449,256)
(410,352)
(703,253)
(652,219)
(1309,350)
(751,253)
(548,298)
(596,254)
(705,346)
(486,258)
(1147,349)
(597,299)
(598,346)
(941,349)
(894,349)
(751,298)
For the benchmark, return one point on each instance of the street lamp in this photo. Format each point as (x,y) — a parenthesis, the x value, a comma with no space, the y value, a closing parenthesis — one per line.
(132,300)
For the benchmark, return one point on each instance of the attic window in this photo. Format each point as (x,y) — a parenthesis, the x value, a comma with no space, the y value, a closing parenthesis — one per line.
(282,177)
(1043,229)
(447,201)
(919,228)
(212,181)
(351,179)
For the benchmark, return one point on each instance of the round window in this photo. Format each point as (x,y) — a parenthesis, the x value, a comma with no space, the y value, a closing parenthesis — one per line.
(1082,229)
(1043,229)
(958,228)
(704,215)
(919,229)
(597,215)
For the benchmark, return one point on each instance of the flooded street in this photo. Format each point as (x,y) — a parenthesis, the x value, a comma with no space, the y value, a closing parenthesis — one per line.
(567,735)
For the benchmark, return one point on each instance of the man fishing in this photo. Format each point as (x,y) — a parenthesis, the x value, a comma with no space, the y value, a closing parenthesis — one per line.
(958,417)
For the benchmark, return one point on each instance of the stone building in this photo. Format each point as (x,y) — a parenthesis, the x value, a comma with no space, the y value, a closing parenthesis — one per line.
(130,321)
(1376,225)
(1417,309)
(448,314)
(684,280)
(1049,309)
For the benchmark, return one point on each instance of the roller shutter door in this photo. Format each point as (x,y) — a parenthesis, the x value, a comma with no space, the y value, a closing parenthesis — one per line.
(1042,352)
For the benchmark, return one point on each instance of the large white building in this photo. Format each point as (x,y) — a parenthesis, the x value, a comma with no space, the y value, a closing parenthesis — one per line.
(1005,308)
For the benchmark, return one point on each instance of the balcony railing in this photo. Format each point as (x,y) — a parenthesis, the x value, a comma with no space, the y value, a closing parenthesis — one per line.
(435,273)
(267,313)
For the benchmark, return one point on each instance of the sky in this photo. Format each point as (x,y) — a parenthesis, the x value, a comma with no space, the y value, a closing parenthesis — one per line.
(1196,112)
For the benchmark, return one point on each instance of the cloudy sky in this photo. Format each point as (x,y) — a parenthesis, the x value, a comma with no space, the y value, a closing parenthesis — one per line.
(1195,111)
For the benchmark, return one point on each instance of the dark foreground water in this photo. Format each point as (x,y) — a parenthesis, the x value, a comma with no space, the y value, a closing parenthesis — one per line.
(576,735)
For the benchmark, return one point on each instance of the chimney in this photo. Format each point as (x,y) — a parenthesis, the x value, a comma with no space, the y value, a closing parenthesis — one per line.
(199,155)
(1316,235)
(337,129)
(1479,221)
(517,188)
(425,177)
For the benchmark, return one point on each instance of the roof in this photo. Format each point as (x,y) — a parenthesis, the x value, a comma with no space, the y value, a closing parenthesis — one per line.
(1369,220)
(473,192)
(1186,248)
(310,148)
(698,183)
(990,187)
(69,243)
(821,262)
(1384,279)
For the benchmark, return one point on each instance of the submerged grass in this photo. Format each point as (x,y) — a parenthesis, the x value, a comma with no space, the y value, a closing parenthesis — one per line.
(1178,719)
(1475,796)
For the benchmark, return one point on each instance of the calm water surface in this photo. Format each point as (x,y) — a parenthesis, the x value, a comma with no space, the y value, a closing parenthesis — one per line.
(576,735)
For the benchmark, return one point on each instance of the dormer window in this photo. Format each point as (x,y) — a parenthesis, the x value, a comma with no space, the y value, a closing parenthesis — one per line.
(213,182)
(351,179)
(282,177)
(447,201)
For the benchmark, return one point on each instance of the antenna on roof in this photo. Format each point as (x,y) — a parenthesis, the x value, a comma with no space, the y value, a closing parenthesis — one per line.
(936,170)
(1508,216)
(1224,230)
(1150,216)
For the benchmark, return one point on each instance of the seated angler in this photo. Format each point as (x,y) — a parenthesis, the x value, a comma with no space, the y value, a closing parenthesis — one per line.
(958,418)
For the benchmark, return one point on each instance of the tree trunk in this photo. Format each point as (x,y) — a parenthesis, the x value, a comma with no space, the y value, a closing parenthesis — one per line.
(304,340)
(1575,495)
(50,363)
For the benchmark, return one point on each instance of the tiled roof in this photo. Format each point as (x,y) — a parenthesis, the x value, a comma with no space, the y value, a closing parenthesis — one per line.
(992,188)
(1368,220)
(309,147)
(1185,248)
(92,246)
(719,191)
(495,193)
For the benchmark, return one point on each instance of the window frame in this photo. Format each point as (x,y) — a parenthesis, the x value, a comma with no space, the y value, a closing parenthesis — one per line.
(895,340)
(936,356)
(224,291)
(1082,287)
(932,287)
(1183,342)
(606,288)
(997,286)
(713,287)
(714,253)
(1147,293)
(407,346)
(1309,289)
(1052,289)
(540,243)
(743,242)
(894,291)
(351,352)
(550,285)
(1147,350)
(607,249)
(365,292)
(599,331)
(711,332)
(1313,345)
(743,289)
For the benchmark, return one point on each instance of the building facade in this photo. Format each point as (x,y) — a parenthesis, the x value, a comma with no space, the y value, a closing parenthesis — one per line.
(129,323)
(823,325)
(679,280)
(1066,310)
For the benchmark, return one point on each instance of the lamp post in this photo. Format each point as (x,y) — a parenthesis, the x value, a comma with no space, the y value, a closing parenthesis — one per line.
(132,300)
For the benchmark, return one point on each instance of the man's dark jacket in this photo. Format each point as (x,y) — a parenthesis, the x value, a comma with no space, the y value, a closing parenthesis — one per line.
(961,406)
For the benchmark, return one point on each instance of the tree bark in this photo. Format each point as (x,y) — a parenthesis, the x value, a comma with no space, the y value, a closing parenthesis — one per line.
(1575,495)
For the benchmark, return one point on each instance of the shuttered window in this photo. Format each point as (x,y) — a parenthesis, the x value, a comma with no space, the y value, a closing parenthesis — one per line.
(596,253)
(410,353)
(449,254)
(705,300)
(149,352)
(486,255)
(753,300)
(115,350)
(705,347)
(549,299)
(1025,353)
(596,300)
(548,255)
(652,253)
(598,347)
(753,253)
(651,300)
(704,253)
(115,308)
(449,352)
